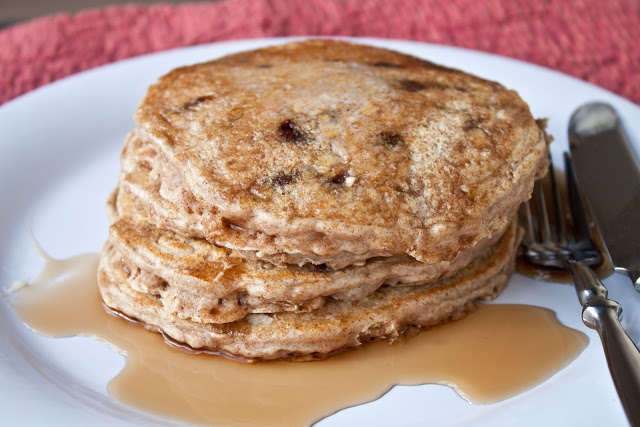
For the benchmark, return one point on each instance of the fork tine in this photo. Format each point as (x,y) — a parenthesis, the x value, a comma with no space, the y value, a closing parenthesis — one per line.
(549,241)
(543,216)
(561,229)
(527,221)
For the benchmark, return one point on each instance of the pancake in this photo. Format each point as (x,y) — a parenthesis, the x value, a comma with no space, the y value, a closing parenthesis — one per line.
(325,151)
(210,284)
(337,325)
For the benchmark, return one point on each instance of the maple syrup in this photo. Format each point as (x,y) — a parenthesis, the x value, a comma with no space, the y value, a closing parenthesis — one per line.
(493,353)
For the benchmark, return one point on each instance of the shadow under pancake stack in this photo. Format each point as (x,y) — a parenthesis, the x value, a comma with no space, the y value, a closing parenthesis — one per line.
(299,200)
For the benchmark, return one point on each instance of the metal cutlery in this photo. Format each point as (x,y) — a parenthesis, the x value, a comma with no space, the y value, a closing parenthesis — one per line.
(549,242)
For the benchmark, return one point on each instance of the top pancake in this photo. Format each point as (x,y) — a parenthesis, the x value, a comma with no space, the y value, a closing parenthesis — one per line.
(340,148)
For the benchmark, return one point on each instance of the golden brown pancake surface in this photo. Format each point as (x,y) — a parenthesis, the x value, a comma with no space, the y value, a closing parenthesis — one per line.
(335,147)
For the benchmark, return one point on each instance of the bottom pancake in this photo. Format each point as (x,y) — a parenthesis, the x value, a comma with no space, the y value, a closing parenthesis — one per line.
(386,314)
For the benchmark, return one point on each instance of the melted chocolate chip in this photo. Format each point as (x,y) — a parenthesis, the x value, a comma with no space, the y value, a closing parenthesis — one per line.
(473,123)
(340,178)
(282,178)
(290,131)
(197,101)
(265,66)
(391,139)
(411,85)
(470,124)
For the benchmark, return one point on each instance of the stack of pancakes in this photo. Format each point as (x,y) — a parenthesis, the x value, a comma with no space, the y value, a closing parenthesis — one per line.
(297,200)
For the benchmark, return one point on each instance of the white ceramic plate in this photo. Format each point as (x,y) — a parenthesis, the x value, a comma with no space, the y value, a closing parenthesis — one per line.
(59,158)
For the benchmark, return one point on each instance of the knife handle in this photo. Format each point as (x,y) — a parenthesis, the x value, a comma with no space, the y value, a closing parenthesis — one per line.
(603,315)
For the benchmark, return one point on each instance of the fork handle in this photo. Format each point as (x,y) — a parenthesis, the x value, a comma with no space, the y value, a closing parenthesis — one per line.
(602,314)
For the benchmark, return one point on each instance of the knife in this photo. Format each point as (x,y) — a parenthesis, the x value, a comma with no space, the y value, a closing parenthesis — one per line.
(609,177)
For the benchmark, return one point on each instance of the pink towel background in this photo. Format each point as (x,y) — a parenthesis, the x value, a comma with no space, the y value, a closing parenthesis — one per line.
(595,40)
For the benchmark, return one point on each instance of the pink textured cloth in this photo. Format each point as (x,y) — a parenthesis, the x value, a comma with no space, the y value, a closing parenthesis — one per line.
(595,40)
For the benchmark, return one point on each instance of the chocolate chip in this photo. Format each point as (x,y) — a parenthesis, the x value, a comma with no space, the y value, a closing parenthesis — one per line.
(197,101)
(291,132)
(282,178)
(265,66)
(391,139)
(340,178)
(473,123)
(411,85)
(470,124)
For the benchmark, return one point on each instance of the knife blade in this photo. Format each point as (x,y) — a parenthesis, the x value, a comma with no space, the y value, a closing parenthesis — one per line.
(609,177)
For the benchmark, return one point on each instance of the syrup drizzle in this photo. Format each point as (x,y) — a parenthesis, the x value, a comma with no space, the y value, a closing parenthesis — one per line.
(494,353)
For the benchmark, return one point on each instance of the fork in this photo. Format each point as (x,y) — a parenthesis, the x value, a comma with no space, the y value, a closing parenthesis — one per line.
(550,242)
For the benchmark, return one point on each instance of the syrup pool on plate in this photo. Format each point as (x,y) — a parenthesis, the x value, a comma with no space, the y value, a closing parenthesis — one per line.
(494,353)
